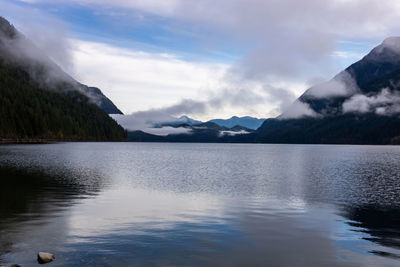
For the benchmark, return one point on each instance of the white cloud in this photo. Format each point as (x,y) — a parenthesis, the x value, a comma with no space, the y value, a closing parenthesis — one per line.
(385,102)
(346,17)
(167,130)
(233,133)
(286,40)
(137,80)
(49,34)
(347,55)
(298,110)
(342,85)
(146,120)
(281,38)
(143,81)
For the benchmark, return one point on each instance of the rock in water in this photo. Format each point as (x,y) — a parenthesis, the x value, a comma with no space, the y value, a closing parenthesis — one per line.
(45,257)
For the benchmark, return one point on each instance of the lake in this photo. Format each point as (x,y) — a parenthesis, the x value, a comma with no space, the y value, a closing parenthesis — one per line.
(160,204)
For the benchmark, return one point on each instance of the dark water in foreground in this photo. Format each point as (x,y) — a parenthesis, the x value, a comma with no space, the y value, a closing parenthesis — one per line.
(127,204)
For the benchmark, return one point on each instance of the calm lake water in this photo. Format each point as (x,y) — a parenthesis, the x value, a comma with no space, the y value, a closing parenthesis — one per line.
(157,204)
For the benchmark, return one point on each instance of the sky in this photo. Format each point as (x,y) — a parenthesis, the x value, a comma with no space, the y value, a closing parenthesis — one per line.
(204,58)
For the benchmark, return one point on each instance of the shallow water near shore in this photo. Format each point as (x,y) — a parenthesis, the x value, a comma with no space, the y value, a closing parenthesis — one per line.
(157,204)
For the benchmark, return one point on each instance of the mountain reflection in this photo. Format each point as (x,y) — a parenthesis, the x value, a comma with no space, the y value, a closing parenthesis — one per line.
(24,192)
(380,225)
(30,199)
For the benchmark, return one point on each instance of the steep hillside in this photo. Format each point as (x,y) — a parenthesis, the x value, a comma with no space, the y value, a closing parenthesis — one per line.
(27,111)
(36,105)
(15,48)
(360,105)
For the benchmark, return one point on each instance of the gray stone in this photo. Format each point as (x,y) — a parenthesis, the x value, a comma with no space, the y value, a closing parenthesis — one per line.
(45,257)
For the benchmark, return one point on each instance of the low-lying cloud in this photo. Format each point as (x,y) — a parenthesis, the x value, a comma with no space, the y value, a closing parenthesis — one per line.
(22,51)
(232,133)
(341,85)
(386,102)
(43,39)
(167,130)
(146,121)
(229,97)
(298,110)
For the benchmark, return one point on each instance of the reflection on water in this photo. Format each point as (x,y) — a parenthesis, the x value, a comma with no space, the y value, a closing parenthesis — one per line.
(110,204)
(381,225)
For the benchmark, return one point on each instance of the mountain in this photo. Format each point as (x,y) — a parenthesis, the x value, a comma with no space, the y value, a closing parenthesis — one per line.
(178,121)
(360,105)
(38,101)
(99,99)
(189,121)
(248,122)
(208,132)
(19,50)
(382,62)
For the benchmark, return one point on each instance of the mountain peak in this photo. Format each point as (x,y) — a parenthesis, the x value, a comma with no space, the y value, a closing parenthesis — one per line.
(4,22)
(7,28)
(387,51)
(391,43)
(391,40)
(247,121)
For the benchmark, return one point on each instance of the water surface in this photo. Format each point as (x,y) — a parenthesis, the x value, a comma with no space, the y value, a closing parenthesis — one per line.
(158,204)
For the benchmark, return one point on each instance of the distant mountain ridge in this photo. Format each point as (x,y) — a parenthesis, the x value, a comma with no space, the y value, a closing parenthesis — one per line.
(178,121)
(204,132)
(247,121)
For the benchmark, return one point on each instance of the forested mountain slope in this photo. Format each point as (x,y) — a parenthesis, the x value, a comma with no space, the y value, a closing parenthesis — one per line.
(32,109)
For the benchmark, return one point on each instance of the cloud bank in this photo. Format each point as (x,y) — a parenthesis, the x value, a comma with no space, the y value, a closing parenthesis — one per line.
(46,33)
(298,110)
(286,40)
(147,120)
(20,50)
(138,80)
(230,96)
(232,133)
(386,102)
(341,85)
(280,38)
(198,89)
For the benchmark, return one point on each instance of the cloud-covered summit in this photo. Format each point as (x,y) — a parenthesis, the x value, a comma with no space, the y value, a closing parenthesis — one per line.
(17,49)
(369,85)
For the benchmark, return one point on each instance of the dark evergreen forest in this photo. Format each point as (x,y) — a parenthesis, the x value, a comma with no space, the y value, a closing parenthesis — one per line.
(29,111)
